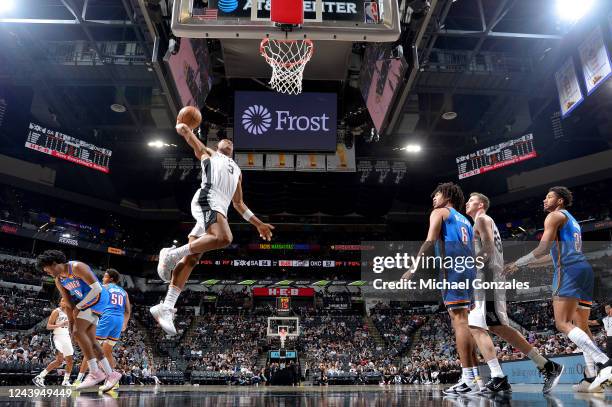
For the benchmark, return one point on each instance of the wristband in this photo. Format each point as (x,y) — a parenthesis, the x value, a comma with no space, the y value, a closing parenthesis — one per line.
(247,215)
(525,260)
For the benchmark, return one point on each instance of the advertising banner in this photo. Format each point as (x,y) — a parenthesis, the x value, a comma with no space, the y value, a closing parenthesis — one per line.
(343,160)
(524,372)
(283,292)
(310,162)
(268,121)
(279,162)
(249,161)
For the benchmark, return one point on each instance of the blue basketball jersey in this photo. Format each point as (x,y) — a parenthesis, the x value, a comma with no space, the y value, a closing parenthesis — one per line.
(79,289)
(117,300)
(457,235)
(567,249)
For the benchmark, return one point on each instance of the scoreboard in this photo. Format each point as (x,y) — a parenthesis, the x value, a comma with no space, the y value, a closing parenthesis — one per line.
(283,304)
(497,156)
(60,145)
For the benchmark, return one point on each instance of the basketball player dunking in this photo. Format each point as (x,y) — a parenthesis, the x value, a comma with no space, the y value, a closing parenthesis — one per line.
(58,323)
(221,184)
(573,279)
(451,235)
(489,312)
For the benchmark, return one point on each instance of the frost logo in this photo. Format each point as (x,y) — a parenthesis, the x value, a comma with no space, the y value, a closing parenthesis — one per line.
(256,119)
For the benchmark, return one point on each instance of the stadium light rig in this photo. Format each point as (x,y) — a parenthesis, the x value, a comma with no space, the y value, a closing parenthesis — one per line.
(573,10)
(159,144)
(410,148)
(6,5)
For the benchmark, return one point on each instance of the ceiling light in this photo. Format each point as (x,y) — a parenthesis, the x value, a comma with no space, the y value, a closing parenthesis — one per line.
(119,100)
(6,5)
(449,107)
(412,148)
(156,144)
(572,10)
(118,108)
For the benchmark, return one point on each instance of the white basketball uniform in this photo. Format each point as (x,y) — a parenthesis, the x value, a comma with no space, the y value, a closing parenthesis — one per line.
(491,312)
(220,177)
(61,335)
(607,324)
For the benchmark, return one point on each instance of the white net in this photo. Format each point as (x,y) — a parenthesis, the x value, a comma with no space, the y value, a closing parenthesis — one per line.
(288,59)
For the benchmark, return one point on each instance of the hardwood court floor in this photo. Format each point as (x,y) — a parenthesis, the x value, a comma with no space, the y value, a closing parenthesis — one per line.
(306,396)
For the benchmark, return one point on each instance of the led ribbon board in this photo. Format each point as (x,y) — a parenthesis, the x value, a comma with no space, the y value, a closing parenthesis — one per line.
(60,145)
(497,156)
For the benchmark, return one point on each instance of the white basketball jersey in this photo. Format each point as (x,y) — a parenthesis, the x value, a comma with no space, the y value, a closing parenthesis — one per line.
(607,321)
(496,263)
(220,176)
(61,317)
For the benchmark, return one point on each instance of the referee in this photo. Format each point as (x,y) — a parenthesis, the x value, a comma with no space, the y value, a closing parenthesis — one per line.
(606,322)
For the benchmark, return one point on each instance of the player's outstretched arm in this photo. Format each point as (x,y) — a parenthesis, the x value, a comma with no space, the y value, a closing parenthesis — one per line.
(264,229)
(541,262)
(199,149)
(553,222)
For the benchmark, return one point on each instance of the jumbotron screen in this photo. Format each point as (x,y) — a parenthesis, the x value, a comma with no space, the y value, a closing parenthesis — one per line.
(497,156)
(68,148)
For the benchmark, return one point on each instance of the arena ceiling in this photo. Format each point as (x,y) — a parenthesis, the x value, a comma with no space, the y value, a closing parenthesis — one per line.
(490,61)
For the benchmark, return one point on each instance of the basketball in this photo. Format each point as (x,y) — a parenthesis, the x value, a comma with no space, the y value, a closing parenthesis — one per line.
(190,116)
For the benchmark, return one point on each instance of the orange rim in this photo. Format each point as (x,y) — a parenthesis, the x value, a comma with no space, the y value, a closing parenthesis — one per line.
(271,61)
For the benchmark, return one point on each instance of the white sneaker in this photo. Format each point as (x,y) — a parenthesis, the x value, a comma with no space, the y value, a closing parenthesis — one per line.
(603,378)
(475,387)
(66,383)
(92,379)
(39,381)
(452,390)
(165,317)
(583,386)
(166,263)
(111,381)
(478,386)
(463,388)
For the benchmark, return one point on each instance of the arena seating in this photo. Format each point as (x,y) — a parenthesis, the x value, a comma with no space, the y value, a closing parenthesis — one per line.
(22,311)
(18,271)
(396,327)
(226,347)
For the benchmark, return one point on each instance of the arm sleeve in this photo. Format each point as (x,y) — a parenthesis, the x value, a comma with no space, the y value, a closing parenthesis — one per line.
(96,289)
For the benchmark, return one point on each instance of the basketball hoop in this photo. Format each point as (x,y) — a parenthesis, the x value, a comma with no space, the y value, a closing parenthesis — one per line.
(288,59)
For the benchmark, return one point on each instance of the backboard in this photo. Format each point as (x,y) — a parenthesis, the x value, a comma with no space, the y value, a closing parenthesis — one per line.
(345,20)
(290,324)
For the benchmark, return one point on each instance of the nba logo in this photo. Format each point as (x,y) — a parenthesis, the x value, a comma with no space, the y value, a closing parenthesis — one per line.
(371,12)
